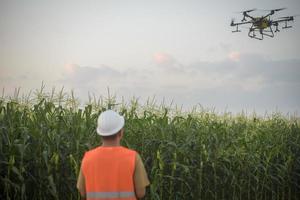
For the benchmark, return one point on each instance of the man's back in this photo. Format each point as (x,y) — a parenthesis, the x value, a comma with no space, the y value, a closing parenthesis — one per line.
(109,172)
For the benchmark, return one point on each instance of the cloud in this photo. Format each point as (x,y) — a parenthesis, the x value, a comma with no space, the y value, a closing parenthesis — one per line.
(167,62)
(250,72)
(274,71)
(84,74)
(69,68)
(162,58)
(234,56)
(249,81)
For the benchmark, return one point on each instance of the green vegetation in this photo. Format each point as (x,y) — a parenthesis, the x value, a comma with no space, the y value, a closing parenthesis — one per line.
(195,155)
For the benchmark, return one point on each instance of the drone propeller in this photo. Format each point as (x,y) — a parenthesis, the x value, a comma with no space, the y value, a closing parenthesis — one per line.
(275,10)
(246,11)
(245,14)
(279,9)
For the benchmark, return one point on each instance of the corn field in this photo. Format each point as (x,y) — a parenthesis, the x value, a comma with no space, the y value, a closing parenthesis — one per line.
(187,155)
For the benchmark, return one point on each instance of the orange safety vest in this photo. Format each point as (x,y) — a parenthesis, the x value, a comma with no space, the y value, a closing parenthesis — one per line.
(108,173)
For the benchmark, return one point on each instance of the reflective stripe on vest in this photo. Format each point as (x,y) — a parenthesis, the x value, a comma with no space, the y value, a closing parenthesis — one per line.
(100,195)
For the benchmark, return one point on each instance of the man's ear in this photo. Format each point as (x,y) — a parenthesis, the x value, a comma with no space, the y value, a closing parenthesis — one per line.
(121,132)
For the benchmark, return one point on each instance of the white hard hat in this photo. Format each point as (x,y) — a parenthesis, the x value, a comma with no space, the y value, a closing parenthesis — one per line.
(109,123)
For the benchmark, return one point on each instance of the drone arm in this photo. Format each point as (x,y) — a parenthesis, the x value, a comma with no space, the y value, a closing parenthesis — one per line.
(240,23)
(276,22)
(247,15)
(283,20)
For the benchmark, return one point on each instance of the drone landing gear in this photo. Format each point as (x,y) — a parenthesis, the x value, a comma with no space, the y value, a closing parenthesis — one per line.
(269,33)
(286,27)
(252,34)
(237,29)
(262,32)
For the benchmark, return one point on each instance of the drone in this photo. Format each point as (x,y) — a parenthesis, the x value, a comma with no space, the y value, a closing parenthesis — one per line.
(264,25)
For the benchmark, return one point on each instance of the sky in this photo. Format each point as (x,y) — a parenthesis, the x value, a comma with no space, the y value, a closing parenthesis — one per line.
(180,51)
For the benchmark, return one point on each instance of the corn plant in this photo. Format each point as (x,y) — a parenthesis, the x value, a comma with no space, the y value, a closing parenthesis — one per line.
(188,155)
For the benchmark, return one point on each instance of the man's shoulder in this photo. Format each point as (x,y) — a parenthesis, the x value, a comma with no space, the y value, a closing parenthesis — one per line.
(129,151)
(98,149)
(90,152)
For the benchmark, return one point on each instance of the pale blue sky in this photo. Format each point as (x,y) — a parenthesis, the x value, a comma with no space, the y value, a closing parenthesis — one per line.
(181,50)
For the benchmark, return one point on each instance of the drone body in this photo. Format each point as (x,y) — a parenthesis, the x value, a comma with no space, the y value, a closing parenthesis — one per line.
(262,26)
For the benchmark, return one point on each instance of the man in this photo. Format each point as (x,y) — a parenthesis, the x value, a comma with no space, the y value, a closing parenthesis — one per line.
(111,171)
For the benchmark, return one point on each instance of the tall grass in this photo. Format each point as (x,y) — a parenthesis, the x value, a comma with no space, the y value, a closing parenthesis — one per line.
(195,155)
